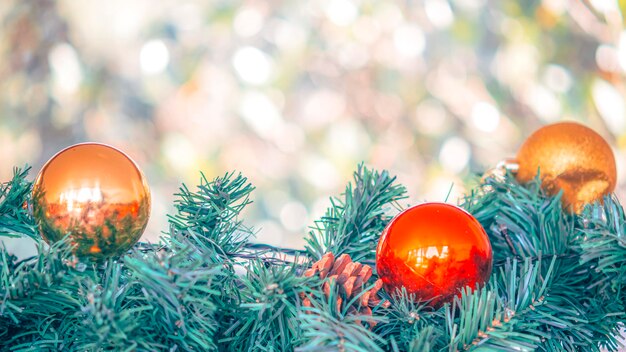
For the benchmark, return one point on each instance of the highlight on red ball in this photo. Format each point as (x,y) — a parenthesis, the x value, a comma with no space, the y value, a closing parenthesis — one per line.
(433,250)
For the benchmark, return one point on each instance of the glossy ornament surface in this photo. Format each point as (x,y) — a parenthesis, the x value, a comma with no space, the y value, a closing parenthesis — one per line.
(570,157)
(97,195)
(433,250)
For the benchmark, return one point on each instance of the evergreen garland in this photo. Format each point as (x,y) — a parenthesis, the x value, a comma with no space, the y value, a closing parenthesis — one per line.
(558,282)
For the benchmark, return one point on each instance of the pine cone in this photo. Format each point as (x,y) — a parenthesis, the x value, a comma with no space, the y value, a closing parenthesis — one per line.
(350,277)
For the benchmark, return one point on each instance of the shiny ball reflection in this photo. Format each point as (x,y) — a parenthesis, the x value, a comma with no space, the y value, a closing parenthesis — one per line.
(95,194)
(433,250)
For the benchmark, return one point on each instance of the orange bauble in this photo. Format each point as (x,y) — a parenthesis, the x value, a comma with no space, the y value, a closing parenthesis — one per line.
(572,158)
(95,194)
(433,250)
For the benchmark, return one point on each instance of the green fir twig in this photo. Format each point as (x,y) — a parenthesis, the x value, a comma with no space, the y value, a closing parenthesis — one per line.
(353,223)
(15,221)
(558,282)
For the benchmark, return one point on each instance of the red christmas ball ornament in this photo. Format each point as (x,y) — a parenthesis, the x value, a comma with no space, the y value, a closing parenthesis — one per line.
(433,250)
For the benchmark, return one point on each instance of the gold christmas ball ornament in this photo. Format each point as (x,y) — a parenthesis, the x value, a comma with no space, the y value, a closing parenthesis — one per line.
(572,158)
(95,194)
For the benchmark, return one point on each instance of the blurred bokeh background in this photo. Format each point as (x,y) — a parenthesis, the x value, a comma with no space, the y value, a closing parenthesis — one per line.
(294,94)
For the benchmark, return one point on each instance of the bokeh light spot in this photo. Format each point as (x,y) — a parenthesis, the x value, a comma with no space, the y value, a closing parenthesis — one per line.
(439,13)
(454,154)
(294,216)
(154,57)
(252,65)
(261,114)
(248,21)
(66,71)
(485,116)
(622,50)
(610,105)
(409,41)
(341,12)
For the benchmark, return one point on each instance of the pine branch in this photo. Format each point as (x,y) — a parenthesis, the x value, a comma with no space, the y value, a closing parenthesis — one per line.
(109,316)
(327,327)
(151,300)
(524,222)
(208,218)
(15,221)
(603,230)
(185,294)
(411,325)
(267,317)
(354,223)
(425,340)
(602,248)
(174,296)
(35,296)
(498,318)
